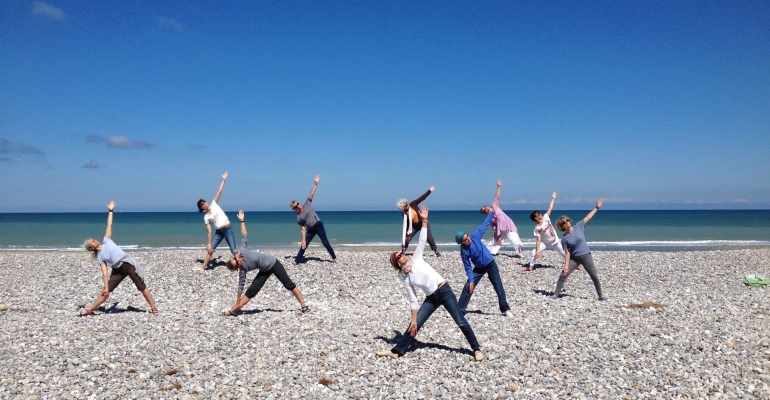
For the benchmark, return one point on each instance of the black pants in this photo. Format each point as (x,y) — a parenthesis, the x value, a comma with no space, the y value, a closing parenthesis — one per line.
(415,231)
(279,271)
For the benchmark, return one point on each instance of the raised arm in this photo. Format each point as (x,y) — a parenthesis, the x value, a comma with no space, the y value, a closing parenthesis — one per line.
(221,186)
(315,185)
(497,193)
(110,207)
(550,206)
(424,196)
(479,233)
(591,214)
(242,218)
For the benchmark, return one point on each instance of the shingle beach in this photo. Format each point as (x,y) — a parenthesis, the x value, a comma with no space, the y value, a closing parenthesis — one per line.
(678,325)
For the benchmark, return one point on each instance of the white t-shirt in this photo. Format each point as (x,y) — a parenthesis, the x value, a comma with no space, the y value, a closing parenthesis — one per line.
(545,231)
(216,215)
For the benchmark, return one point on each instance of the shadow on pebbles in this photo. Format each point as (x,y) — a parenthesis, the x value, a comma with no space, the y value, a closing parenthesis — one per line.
(678,325)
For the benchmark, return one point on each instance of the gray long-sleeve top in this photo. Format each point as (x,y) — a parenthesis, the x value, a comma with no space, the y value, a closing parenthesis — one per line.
(252,260)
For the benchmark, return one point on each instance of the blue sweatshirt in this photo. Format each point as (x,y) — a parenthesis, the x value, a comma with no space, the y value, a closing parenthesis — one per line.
(476,252)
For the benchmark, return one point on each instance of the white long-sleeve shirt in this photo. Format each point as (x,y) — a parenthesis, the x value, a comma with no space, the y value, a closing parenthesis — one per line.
(423,276)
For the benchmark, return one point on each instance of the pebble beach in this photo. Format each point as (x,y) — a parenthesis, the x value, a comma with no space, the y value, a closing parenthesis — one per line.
(678,325)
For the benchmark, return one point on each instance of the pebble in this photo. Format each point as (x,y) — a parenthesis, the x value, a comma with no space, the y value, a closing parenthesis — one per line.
(710,341)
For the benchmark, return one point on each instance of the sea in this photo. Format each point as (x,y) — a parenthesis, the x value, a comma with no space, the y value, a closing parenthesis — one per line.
(609,230)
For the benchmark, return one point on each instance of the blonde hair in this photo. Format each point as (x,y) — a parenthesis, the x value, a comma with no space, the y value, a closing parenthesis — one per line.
(562,221)
(87,246)
(293,204)
(402,204)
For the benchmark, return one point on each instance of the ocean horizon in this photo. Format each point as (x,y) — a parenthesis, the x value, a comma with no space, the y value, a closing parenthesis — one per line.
(608,230)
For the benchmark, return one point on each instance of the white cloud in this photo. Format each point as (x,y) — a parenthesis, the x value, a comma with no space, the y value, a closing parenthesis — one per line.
(122,142)
(93,164)
(521,201)
(48,10)
(169,22)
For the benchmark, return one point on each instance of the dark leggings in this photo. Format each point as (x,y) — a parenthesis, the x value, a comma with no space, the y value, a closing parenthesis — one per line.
(279,271)
(415,231)
(125,270)
(586,261)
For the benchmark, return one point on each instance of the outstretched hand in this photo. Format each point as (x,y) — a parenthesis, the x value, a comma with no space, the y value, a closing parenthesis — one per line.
(317,178)
(111,205)
(224,176)
(599,203)
(432,188)
(553,196)
(424,212)
(499,182)
(241,215)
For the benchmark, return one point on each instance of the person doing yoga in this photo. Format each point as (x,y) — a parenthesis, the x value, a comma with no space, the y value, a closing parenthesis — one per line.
(415,273)
(576,252)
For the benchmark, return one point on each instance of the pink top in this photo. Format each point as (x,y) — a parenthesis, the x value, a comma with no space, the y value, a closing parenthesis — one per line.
(501,222)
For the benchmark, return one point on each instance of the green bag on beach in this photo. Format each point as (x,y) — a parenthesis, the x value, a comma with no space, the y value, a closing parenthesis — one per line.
(756,280)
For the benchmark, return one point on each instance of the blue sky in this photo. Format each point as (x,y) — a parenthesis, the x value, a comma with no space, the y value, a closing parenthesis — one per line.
(649,104)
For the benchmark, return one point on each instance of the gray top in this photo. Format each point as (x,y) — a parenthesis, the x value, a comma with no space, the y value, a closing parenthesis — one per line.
(308,217)
(252,260)
(575,242)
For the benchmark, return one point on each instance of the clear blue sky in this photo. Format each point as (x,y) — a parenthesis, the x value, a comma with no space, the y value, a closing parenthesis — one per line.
(649,104)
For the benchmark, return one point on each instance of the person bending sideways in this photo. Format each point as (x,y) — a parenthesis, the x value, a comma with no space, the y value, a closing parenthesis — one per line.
(418,274)
(473,251)
(109,256)
(576,252)
(215,215)
(545,235)
(310,224)
(503,227)
(412,222)
(248,260)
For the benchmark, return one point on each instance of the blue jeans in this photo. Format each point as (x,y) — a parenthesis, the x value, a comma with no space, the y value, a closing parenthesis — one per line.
(226,234)
(494,276)
(310,232)
(443,296)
